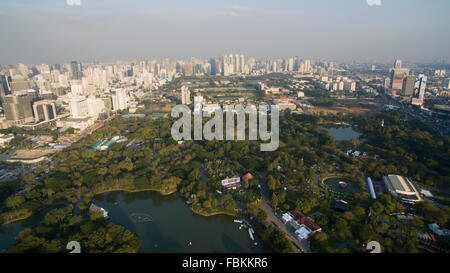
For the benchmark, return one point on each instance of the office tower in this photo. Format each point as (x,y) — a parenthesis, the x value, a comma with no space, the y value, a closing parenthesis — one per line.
(43,68)
(446,83)
(76,89)
(308,67)
(419,86)
(198,69)
(119,99)
(242,64)
(198,99)
(44,110)
(349,85)
(397,75)
(19,84)
(185,95)
(188,69)
(77,70)
(63,81)
(229,65)
(387,83)
(231,62)
(419,90)
(148,79)
(198,102)
(4,87)
(23,69)
(212,62)
(408,85)
(95,106)
(290,67)
(17,106)
(78,107)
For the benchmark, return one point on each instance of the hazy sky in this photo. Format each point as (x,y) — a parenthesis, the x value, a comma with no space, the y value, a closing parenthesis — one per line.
(51,31)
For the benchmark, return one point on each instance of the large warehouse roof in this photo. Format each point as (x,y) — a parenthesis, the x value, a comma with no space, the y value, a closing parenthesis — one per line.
(401,186)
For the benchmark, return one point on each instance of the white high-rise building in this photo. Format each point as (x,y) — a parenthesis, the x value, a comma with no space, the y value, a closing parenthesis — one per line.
(148,79)
(119,99)
(307,66)
(185,95)
(198,101)
(95,106)
(78,107)
(242,64)
(290,64)
(350,85)
(76,89)
(63,81)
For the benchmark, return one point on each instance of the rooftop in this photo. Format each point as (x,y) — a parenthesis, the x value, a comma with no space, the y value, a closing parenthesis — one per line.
(301,219)
(31,154)
(401,186)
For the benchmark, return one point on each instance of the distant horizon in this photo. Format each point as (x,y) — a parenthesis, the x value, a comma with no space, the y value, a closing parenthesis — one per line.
(57,31)
(362,62)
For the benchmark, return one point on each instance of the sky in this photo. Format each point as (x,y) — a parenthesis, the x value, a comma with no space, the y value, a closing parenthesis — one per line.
(58,31)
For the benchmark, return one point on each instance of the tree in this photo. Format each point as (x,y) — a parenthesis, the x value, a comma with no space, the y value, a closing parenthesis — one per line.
(271,183)
(14,201)
(262,215)
(126,165)
(56,216)
(274,200)
(207,204)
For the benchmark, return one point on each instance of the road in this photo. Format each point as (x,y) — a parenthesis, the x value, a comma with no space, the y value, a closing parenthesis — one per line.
(415,114)
(266,206)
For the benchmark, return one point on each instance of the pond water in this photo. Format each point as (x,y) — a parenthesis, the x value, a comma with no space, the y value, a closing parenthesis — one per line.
(342,132)
(170,225)
(10,231)
(164,223)
(333,184)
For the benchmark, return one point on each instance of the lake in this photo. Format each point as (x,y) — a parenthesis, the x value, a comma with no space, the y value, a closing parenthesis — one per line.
(173,225)
(342,132)
(9,231)
(164,223)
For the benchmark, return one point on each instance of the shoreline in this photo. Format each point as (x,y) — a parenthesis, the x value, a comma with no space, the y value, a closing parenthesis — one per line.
(18,219)
(205,214)
(134,191)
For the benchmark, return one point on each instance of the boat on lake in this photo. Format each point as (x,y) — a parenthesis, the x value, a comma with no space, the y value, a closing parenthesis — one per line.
(250,232)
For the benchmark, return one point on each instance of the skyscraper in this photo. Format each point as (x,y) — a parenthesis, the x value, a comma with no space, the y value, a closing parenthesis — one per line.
(212,62)
(419,89)
(185,95)
(408,85)
(77,70)
(19,84)
(44,110)
(4,87)
(78,107)
(17,106)
(242,64)
(398,74)
(188,69)
(119,99)
(398,64)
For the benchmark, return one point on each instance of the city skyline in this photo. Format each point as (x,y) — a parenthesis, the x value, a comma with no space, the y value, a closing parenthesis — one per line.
(109,30)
